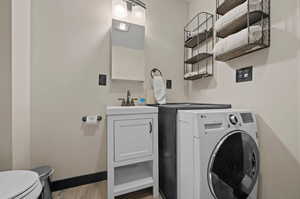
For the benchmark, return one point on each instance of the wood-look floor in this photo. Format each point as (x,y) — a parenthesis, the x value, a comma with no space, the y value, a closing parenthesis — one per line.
(96,191)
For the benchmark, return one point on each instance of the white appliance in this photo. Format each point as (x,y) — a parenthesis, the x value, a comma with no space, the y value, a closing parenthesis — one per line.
(20,185)
(218,155)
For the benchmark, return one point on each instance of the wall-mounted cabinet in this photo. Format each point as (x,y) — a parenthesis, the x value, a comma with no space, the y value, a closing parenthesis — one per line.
(199,44)
(128,40)
(242,27)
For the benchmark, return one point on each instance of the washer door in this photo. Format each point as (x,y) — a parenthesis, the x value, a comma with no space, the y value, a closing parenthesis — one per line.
(234,166)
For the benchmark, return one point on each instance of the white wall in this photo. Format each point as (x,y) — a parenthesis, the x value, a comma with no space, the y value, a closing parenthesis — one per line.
(21,19)
(70,47)
(5,85)
(273,95)
(164,43)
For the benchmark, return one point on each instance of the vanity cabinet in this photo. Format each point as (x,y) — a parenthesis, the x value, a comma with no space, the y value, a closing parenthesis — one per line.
(133,138)
(132,150)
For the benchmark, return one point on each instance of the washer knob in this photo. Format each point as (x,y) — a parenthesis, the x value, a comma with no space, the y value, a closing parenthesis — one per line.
(233,119)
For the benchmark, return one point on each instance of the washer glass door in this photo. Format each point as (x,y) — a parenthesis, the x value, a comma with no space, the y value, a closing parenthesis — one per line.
(234,167)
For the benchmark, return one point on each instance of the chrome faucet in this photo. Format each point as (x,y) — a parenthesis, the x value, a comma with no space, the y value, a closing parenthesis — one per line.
(129,101)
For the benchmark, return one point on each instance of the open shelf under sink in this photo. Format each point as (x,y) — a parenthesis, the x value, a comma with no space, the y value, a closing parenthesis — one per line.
(132,178)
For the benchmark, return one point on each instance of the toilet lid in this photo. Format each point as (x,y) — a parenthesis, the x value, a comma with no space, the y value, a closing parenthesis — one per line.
(15,183)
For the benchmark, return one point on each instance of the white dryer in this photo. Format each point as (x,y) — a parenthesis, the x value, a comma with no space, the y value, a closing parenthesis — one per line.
(218,155)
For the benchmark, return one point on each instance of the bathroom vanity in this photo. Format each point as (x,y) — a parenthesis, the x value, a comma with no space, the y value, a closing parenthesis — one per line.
(132,150)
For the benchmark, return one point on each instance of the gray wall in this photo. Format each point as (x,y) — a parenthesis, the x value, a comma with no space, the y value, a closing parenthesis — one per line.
(70,47)
(273,95)
(5,85)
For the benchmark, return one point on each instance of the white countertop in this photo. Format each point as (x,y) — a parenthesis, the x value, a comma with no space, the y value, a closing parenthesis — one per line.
(121,110)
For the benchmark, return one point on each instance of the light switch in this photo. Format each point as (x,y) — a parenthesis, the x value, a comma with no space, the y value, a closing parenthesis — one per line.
(244,74)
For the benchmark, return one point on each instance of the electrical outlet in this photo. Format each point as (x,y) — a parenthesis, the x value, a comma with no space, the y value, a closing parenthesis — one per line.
(102,80)
(169,84)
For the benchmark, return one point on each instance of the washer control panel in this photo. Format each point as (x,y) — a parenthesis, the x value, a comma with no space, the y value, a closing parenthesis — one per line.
(233,119)
(247,118)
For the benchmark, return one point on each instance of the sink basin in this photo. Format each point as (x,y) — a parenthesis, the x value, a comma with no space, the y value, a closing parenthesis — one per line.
(125,110)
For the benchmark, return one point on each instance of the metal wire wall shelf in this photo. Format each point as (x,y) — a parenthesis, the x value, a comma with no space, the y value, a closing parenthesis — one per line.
(199,44)
(254,21)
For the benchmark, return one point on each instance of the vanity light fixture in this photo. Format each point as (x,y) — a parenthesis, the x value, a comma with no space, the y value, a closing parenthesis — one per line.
(124,8)
(120,10)
(137,3)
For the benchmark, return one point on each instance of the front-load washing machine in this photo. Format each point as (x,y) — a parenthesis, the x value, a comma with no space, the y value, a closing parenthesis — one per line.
(167,142)
(218,156)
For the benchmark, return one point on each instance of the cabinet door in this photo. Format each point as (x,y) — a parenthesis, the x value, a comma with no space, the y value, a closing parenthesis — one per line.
(133,138)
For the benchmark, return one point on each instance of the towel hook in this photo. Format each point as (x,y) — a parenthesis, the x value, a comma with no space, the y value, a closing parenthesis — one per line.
(154,70)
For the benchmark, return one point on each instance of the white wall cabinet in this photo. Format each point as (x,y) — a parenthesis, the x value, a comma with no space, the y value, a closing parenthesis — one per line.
(132,150)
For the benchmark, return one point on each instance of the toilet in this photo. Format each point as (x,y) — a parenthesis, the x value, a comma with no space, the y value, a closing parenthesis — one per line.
(20,185)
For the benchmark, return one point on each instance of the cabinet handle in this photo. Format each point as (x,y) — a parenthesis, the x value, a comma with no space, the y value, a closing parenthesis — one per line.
(151,128)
